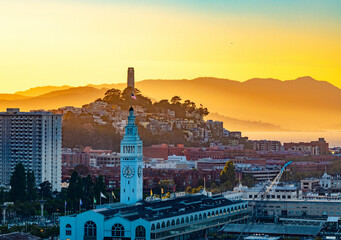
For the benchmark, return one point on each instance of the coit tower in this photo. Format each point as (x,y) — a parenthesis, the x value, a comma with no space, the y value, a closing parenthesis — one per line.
(131,78)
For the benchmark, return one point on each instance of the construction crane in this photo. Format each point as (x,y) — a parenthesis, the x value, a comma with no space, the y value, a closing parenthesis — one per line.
(263,193)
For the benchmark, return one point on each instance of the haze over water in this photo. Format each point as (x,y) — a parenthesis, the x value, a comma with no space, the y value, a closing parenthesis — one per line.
(333,138)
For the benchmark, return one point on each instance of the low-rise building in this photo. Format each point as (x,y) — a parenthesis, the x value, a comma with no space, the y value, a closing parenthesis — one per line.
(188,217)
(265,145)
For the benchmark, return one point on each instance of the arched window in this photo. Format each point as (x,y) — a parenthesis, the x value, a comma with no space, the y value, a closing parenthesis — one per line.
(187,219)
(90,229)
(204,215)
(216,213)
(153,226)
(200,216)
(168,223)
(182,220)
(224,210)
(117,230)
(208,214)
(228,210)
(140,232)
(191,219)
(212,214)
(177,221)
(163,225)
(238,207)
(221,212)
(68,230)
(173,222)
(195,217)
(158,226)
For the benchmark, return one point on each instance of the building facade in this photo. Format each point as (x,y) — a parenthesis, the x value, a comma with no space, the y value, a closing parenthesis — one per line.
(265,145)
(33,139)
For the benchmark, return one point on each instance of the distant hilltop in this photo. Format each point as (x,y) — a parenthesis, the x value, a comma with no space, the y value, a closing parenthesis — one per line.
(258,104)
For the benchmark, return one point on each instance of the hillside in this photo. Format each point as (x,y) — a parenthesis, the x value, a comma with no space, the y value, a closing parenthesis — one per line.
(52,100)
(303,104)
(37,91)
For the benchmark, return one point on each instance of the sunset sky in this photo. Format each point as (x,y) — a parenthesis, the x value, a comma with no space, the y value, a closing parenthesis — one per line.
(78,42)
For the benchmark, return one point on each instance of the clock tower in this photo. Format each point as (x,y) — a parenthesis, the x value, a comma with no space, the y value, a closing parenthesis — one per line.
(131,163)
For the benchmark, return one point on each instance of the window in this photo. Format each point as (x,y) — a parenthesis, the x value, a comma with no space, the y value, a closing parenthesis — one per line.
(168,223)
(158,226)
(117,230)
(90,229)
(163,225)
(68,230)
(140,232)
(153,226)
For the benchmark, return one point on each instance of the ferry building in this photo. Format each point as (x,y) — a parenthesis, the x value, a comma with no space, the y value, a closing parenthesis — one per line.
(187,217)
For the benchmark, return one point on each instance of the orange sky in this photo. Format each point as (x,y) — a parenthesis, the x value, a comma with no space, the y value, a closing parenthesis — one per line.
(80,42)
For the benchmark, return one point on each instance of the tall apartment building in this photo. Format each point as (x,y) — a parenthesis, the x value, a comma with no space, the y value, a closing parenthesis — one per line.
(33,139)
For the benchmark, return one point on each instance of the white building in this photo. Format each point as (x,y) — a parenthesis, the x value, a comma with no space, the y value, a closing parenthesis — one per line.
(33,139)
(326,181)
(131,163)
(173,162)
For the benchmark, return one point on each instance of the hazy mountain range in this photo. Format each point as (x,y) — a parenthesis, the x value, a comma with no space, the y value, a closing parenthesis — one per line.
(303,104)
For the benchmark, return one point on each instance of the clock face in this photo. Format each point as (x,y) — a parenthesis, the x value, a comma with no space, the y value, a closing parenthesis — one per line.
(128,171)
(130,130)
(139,171)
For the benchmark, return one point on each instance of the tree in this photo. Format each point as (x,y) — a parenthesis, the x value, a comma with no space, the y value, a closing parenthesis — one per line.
(248,180)
(45,190)
(79,188)
(112,96)
(228,175)
(88,192)
(18,183)
(99,187)
(175,100)
(72,192)
(31,186)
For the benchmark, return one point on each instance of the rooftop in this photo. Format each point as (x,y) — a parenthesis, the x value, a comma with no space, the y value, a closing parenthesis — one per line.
(155,210)
(274,229)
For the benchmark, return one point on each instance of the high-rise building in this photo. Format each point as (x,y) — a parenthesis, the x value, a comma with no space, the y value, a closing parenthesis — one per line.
(131,78)
(33,139)
(131,163)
